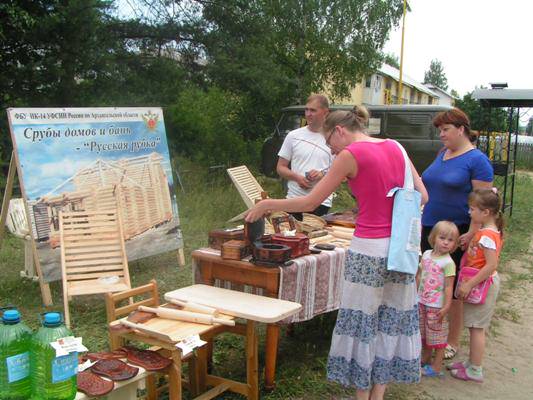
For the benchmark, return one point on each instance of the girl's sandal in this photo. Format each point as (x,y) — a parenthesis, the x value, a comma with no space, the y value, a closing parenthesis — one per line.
(456,365)
(449,352)
(429,372)
(462,374)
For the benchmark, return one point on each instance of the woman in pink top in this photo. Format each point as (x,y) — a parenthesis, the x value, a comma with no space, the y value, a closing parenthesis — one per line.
(376,338)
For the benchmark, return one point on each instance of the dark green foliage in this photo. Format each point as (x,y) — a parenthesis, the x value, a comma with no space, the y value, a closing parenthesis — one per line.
(203,125)
(295,47)
(222,70)
(479,116)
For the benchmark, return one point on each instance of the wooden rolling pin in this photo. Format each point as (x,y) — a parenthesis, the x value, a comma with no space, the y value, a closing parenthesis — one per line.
(315,234)
(321,239)
(340,229)
(342,235)
(188,316)
(194,307)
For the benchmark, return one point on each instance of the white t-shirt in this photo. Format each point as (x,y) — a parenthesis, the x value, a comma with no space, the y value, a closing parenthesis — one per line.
(306,150)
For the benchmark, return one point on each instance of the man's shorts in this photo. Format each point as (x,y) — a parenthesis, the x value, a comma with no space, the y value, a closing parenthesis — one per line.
(434,333)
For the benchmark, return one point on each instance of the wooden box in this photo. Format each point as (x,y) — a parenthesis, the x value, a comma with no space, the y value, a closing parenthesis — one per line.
(298,244)
(219,236)
(235,250)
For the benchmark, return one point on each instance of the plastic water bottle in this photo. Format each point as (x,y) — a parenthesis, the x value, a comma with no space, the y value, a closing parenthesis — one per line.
(15,339)
(53,378)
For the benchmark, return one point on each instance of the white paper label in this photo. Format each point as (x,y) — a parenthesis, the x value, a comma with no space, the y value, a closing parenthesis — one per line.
(67,345)
(190,343)
(86,365)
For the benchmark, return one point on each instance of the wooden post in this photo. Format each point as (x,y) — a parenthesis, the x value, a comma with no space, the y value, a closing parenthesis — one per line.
(252,361)
(181,257)
(13,167)
(7,195)
(271,350)
(174,376)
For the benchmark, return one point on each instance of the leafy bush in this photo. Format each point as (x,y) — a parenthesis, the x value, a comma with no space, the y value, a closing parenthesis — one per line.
(204,126)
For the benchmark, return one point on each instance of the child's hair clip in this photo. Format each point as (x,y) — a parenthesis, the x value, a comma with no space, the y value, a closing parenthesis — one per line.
(495,190)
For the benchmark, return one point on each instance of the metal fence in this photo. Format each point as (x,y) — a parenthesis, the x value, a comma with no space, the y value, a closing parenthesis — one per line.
(496,148)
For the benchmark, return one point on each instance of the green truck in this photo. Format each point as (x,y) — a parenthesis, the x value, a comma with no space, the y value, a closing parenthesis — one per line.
(411,125)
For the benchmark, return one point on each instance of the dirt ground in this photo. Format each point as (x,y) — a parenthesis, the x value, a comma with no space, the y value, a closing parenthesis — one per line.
(508,362)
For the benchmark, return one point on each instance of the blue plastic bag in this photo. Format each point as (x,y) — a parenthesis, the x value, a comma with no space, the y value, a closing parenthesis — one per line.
(404,248)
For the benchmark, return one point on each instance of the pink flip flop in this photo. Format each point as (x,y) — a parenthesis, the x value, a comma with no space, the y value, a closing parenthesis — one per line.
(463,375)
(456,365)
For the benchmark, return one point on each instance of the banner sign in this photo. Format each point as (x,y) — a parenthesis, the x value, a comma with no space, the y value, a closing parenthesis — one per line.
(96,159)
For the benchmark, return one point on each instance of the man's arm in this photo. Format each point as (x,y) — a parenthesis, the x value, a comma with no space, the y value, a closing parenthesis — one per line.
(285,172)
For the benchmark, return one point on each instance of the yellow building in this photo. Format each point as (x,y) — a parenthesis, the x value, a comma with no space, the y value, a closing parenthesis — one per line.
(382,88)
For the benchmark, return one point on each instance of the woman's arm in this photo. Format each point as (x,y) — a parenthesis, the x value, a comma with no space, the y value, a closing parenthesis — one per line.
(344,165)
(419,185)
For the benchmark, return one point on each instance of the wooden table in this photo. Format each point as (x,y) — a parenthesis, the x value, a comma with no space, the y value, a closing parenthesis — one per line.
(251,307)
(213,267)
(178,331)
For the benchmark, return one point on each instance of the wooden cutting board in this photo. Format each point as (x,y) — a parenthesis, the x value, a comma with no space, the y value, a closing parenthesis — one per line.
(237,304)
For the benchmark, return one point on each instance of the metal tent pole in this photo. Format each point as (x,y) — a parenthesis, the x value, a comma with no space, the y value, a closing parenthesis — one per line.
(514,158)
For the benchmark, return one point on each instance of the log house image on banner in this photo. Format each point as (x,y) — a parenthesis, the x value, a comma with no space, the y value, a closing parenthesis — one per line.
(137,188)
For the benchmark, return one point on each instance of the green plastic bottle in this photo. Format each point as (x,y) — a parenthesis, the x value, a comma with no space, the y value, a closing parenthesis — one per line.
(15,337)
(53,378)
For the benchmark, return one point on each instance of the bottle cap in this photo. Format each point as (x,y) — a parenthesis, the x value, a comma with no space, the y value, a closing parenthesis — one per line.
(52,319)
(11,317)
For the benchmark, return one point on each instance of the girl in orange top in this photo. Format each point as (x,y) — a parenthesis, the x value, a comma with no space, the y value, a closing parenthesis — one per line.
(483,253)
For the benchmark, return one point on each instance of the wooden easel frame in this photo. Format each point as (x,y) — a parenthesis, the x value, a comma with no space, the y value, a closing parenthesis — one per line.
(15,168)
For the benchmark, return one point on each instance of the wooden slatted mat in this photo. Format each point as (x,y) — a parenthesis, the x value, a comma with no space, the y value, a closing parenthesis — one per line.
(248,187)
(93,256)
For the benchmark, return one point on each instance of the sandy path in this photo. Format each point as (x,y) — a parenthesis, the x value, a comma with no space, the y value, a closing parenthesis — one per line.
(508,362)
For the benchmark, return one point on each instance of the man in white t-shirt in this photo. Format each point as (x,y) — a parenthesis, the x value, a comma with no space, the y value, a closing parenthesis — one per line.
(304,157)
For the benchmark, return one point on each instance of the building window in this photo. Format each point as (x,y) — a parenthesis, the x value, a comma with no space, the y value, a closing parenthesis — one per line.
(412,96)
(378,82)
(388,85)
(419,101)
(430,100)
(368,81)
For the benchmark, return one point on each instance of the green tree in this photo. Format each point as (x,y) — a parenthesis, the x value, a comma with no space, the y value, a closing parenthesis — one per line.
(302,46)
(392,60)
(435,75)
(479,116)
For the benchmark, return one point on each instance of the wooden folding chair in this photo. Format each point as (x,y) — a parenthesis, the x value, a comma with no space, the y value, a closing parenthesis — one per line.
(146,295)
(17,224)
(93,255)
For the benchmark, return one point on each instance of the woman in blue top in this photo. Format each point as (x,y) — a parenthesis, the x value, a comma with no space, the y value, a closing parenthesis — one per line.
(458,169)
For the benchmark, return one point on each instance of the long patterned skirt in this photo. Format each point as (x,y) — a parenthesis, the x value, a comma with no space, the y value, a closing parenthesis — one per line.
(376,338)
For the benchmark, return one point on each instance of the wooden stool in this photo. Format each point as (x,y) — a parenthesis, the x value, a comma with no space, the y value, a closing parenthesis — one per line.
(150,298)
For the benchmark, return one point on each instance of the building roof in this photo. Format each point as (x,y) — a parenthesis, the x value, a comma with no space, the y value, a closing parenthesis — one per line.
(407,80)
(439,90)
(504,97)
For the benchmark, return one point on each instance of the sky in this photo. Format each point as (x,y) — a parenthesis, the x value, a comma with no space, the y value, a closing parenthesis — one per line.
(477,41)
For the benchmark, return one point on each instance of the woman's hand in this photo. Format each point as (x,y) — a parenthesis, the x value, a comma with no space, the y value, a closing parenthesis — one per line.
(256,212)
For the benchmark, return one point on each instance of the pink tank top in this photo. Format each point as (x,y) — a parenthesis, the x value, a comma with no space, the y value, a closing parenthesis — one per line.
(380,167)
